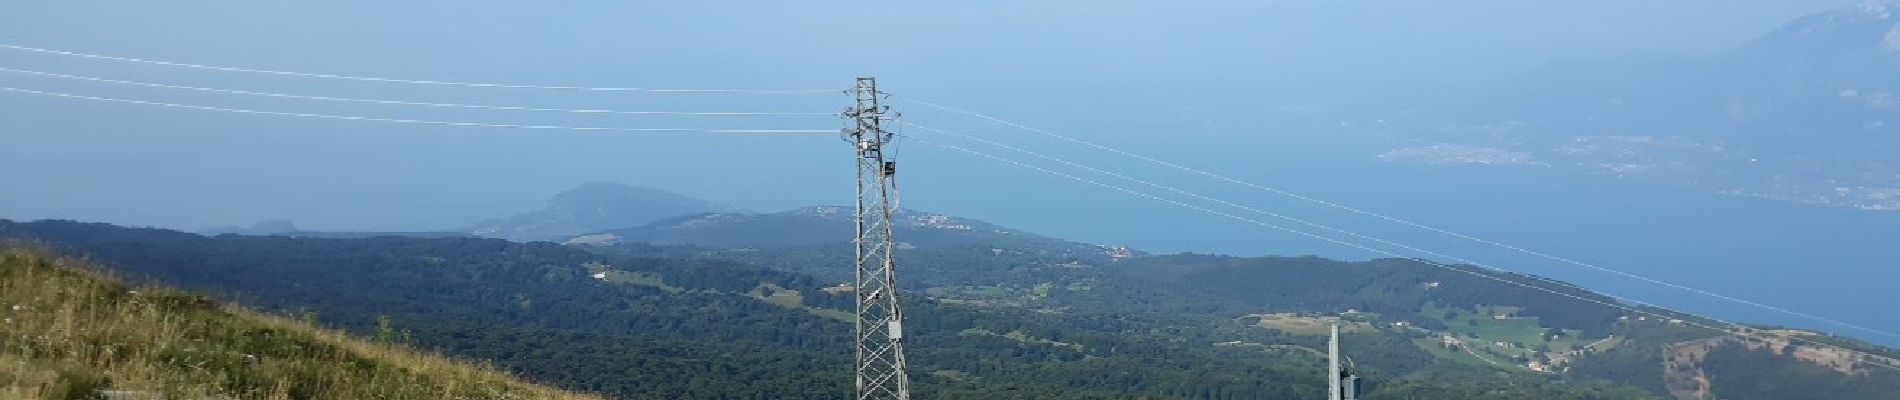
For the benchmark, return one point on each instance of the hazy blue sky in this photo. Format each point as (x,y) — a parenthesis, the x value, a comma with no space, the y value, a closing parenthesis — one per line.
(1050,63)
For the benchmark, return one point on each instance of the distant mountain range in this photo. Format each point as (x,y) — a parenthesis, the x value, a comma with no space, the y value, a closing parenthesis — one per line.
(592,208)
(284,227)
(607,214)
(270,227)
(585,209)
(835,225)
(1808,113)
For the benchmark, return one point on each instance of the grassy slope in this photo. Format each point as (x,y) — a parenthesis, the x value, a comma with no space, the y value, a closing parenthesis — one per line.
(69,333)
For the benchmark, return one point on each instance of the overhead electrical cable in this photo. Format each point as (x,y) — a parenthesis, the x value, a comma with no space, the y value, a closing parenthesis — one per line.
(412,81)
(427,122)
(1739,330)
(1254,210)
(1409,223)
(1356,235)
(1187,193)
(411,103)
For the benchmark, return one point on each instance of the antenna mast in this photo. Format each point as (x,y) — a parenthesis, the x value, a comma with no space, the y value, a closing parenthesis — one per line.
(881,373)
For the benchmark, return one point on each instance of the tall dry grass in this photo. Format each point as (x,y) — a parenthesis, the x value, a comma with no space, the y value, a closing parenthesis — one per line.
(69,332)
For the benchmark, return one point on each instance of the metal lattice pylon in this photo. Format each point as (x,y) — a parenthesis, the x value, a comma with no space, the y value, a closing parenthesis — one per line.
(880,329)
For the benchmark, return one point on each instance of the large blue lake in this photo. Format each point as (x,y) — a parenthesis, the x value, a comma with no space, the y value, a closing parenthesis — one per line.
(1832,262)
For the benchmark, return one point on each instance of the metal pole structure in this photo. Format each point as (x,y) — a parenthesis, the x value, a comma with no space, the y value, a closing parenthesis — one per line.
(880,329)
(1332,363)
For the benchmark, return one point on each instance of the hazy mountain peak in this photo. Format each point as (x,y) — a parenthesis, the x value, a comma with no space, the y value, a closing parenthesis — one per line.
(607,192)
(904,217)
(596,207)
(1893,39)
(826,211)
(822,225)
(1880,9)
(267,227)
(1869,22)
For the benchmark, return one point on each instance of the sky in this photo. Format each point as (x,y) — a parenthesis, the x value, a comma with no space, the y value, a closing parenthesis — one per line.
(1062,64)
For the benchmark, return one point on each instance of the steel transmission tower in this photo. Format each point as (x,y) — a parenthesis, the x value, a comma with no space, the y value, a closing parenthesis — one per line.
(880,329)
(1341,382)
(1333,384)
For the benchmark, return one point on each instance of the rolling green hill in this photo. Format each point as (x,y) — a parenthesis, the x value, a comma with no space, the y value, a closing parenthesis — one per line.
(818,226)
(71,333)
(594,207)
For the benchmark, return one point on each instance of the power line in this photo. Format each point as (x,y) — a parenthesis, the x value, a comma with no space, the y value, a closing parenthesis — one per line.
(1276,215)
(1409,223)
(1235,205)
(878,336)
(1255,210)
(411,81)
(1194,195)
(408,103)
(1743,331)
(425,122)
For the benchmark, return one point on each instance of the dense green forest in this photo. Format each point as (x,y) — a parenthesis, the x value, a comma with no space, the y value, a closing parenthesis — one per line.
(828,225)
(534,308)
(1776,375)
(645,321)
